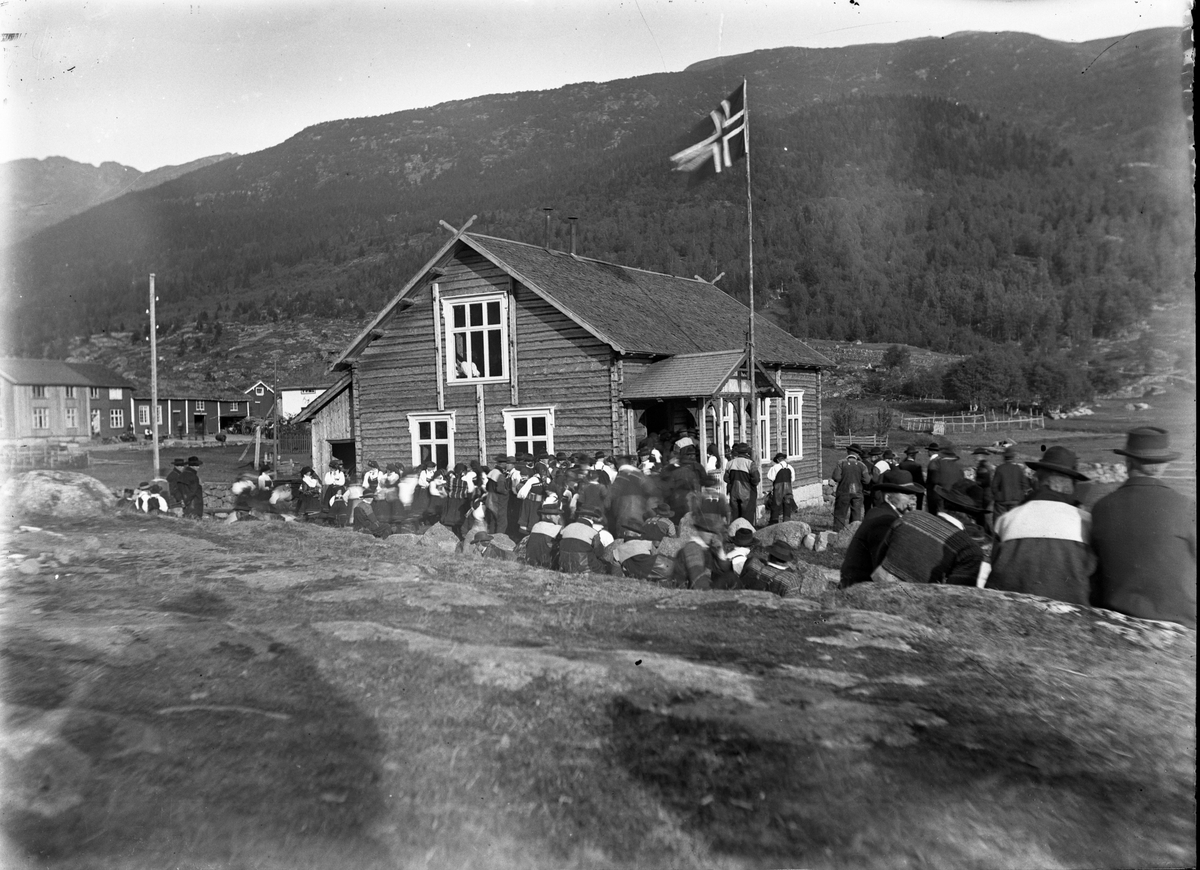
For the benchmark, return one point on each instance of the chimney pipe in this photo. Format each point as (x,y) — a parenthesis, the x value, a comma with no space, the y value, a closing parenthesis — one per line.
(546,238)
(572,220)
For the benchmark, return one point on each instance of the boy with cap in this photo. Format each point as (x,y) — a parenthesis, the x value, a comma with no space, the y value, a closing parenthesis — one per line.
(1144,534)
(1042,545)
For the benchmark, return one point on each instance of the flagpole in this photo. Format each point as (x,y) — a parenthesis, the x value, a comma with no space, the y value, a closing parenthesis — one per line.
(754,445)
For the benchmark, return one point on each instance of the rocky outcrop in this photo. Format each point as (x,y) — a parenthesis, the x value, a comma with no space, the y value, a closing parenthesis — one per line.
(66,495)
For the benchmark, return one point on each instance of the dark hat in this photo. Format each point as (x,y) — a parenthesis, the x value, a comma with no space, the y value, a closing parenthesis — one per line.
(587,513)
(1010,453)
(510,460)
(481,538)
(741,449)
(663,509)
(179,460)
(1059,460)
(549,509)
(372,463)
(781,551)
(743,537)
(500,457)
(898,480)
(561,455)
(194,461)
(933,447)
(632,528)
(876,451)
(778,457)
(337,463)
(600,454)
(981,451)
(948,450)
(854,448)
(964,495)
(145,484)
(154,487)
(394,466)
(912,450)
(889,454)
(1149,444)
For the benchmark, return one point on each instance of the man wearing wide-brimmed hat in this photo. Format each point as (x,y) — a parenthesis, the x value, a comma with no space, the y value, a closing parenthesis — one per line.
(1010,485)
(191,490)
(915,469)
(1144,535)
(942,548)
(899,494)
(944,470)
(850,477)
(1042,545)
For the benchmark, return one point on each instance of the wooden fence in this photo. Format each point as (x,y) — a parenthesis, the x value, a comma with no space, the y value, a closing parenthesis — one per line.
(843,441)
(945,425)
(20,457)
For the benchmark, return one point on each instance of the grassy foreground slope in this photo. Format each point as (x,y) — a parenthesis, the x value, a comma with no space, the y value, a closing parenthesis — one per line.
(280,696)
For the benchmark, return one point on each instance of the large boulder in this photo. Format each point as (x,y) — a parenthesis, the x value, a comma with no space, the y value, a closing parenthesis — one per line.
(441,537)
(60,494)
(793,531)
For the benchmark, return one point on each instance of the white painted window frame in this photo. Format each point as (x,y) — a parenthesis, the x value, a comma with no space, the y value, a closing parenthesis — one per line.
(511,415)
(70,418)
(414,429)
(41,417)
(797,419)
(116,417)
(143,415)
(453,376)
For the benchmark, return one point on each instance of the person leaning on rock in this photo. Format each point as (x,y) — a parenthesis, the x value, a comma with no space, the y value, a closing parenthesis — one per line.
(1042,545)
(899,494)
(946,547)
(1144,535)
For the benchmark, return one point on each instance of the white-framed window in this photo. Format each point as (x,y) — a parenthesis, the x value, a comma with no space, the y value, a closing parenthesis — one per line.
(476,338)
(39,391)
(114,394)
(432,438)
(529,430)
(258,391)
(764,427)
(94,393)
(793,432)
(143,415)
(71,418)
(199,405)
(68,392)
(41,418)
(116,418)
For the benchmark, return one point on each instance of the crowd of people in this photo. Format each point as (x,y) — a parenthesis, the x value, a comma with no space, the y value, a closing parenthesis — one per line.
(1026,531)
(666,515)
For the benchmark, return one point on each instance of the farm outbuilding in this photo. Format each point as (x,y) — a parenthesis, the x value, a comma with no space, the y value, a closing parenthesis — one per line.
(500,347)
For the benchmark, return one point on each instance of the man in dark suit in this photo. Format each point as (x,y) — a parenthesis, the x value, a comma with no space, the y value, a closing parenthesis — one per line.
(899,493)
(1144,534)
(915,470)
(944,471)
(850,477)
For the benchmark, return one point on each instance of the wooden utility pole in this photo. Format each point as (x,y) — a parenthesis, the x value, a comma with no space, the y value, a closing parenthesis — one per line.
(153,377)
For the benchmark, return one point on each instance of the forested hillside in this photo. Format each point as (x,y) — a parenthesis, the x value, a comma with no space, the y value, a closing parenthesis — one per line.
(880,216)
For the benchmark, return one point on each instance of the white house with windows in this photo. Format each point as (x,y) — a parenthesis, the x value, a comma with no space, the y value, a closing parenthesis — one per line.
(499,347)
(60,401)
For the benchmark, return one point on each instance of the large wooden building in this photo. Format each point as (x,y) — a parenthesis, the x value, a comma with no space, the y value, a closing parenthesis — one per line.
(497,346)
(43,399)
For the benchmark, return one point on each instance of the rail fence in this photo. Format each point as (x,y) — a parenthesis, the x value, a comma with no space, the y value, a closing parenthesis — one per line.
(47,454)
(843,441)
(951,423)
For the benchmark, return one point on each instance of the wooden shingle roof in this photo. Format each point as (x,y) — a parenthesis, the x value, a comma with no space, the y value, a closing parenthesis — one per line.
(633,310)
(641,312)
(688,374)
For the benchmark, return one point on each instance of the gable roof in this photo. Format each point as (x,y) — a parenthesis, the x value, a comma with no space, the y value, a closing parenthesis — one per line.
(633,310)
(262,384)
(100,376)
(54,372)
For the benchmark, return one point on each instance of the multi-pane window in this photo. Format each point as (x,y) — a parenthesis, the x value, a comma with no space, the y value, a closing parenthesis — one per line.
(432,438)
(476,338)
(116,418)
(529,430)
(39,391)
(71,418)
(764,428)
(793,444)
(41,418)
(143,415)
(199,404)
(68,392)
(94,393)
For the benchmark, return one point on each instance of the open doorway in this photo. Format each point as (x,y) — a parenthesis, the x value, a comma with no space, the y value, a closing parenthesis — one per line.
(344,450)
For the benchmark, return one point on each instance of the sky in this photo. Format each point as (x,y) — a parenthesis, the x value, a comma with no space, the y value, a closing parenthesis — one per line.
(150,84)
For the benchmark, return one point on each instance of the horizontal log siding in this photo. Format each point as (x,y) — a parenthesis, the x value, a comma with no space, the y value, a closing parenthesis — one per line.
(562,364)
(808,469)
(559,364)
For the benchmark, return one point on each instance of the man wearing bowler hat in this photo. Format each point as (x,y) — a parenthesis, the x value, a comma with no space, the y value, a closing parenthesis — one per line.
(899,495)
(1042,545)
(944,471)
(1144,535)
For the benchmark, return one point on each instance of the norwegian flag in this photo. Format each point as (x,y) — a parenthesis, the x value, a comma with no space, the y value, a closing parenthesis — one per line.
(720,140)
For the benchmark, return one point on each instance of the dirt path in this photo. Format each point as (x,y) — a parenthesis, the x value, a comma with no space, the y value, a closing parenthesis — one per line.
(271,696)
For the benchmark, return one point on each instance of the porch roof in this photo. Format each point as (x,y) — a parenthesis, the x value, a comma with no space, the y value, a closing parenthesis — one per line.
(690,375)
